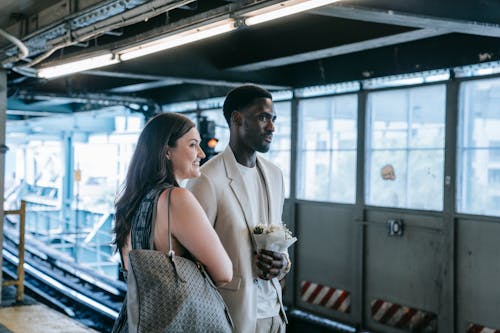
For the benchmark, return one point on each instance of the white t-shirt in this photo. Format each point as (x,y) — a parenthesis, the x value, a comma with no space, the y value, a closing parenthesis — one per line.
(267,297)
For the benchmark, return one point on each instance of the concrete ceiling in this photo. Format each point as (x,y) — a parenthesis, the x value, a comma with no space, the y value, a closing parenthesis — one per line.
(346,41)
(14,10)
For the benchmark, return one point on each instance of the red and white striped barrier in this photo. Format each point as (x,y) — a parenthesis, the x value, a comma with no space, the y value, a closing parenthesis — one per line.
(336,299)
(403,317)
(474,328)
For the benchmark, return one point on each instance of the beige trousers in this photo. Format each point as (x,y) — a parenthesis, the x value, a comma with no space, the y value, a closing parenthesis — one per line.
(270,325)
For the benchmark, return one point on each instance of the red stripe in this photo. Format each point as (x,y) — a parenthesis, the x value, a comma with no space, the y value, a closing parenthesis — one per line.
(424,322)
(314,293)
(327,296)
(376,305)
(474,329)
(305,286)
(389,313)
(340,300)
(405,319)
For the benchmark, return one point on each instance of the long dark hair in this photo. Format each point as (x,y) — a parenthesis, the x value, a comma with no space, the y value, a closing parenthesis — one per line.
(148,168)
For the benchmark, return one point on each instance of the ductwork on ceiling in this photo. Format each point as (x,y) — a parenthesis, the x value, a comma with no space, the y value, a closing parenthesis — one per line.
(80,27)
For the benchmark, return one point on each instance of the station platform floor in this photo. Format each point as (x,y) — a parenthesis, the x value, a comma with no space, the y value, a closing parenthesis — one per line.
(30,316)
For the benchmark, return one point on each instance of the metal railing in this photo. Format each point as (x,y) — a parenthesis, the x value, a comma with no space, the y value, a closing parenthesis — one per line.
(19,282)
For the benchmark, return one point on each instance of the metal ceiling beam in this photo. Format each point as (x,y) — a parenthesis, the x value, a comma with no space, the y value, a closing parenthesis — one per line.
(42,98)
(28,113)
(75,29)
(87,24)
(144,86)
(17,106)
(430,27)
(409,20)
(163,81)
(123,75)
(342,49)
(81,123)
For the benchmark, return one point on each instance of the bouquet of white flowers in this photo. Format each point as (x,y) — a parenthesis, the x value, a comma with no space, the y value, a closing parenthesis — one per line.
(273,237)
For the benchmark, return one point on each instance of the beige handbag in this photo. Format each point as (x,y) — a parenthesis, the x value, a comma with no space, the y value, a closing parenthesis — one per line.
(168,293)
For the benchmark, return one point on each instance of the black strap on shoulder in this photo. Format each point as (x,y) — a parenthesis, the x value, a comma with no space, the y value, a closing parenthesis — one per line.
(151,239)
(171,252)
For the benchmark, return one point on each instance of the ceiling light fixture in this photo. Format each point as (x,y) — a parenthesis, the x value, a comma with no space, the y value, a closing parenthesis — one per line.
(283,9)
(77,66)
(179,38)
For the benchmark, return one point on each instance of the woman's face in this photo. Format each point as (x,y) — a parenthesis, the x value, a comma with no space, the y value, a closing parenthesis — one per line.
(186,156)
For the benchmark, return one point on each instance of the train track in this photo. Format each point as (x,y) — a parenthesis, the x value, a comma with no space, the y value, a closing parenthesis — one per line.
(94,301)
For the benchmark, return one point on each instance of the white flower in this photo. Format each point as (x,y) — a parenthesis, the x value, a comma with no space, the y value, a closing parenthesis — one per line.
(259,229)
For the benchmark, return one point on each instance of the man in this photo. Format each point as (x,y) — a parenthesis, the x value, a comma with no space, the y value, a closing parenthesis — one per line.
(238,190)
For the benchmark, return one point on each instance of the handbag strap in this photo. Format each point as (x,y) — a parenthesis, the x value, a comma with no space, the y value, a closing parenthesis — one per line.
(171,252)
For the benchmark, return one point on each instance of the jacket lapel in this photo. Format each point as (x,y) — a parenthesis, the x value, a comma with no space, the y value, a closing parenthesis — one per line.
(239,189)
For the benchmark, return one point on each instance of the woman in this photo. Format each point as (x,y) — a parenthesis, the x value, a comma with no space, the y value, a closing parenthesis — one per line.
(168,152)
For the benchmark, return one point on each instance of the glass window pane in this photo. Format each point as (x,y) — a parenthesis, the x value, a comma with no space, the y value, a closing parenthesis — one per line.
(387,175)
(495,154)
(279,153)
(282,159)
(478,156)
(425,175)
(426,118)
(405,148)
(327,149)
(313,185)
(282,135)
(478,188)
(389,120)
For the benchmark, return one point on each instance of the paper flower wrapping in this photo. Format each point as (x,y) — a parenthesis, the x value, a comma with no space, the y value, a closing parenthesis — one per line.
(273,237)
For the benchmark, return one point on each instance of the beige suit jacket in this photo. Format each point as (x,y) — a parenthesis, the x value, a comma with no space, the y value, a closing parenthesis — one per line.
(223,195)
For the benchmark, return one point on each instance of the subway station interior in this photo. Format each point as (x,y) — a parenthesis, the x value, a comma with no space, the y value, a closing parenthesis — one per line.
(387,133)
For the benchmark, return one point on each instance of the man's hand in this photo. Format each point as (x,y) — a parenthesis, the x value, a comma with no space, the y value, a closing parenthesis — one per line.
(271,264)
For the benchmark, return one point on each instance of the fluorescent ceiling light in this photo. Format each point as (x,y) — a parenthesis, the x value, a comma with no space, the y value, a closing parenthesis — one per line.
(77,66)
(177,39)
(283,9)
(183,37)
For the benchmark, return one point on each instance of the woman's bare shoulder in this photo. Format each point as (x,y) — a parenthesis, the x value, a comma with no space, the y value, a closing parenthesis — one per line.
(179,196)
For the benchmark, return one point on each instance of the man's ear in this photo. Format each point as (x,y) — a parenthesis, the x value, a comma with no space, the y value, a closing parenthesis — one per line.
(236,118)
(169,154)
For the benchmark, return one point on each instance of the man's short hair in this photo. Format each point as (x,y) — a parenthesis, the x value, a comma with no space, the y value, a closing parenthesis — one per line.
(241,97)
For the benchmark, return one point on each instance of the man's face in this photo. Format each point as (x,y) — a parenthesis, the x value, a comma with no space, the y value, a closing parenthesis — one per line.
(257,126)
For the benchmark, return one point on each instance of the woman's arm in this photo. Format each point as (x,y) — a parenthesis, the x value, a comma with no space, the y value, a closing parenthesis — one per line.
(190,226)
(125,250)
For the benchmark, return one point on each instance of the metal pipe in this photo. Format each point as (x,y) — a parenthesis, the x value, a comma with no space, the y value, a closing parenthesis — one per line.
(60,31)
(22,48)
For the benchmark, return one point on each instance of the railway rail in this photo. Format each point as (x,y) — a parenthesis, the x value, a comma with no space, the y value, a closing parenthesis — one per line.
(90,299)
